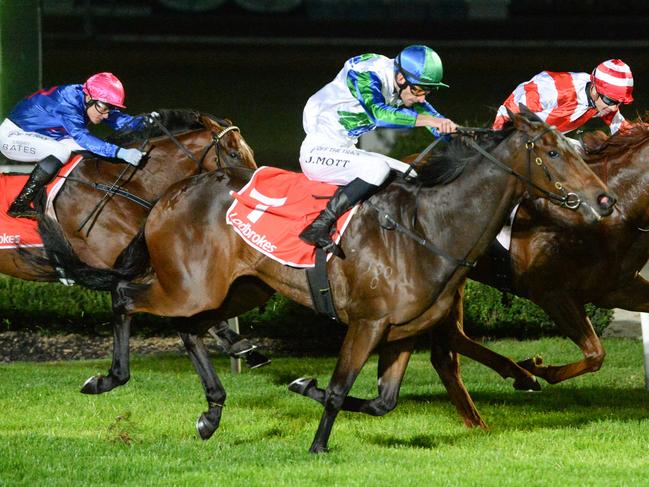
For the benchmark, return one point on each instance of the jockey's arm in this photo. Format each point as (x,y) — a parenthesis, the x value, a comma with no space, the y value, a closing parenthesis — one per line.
(365,86)
(75,126)
(118,120)
(615,121)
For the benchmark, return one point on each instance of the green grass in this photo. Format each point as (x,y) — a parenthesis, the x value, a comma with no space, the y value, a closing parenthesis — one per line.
(589,431)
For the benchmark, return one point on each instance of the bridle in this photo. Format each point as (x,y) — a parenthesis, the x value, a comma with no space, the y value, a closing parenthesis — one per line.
(565,199)
(216,143)
(116,189)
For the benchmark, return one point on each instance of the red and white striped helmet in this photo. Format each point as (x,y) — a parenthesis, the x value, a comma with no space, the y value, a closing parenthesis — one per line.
(613,78)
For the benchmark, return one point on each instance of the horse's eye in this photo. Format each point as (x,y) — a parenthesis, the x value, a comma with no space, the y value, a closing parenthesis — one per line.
(553,154)
(235,154)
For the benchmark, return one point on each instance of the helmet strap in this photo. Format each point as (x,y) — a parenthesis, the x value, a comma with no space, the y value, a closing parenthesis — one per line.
(403,85)
(591,102)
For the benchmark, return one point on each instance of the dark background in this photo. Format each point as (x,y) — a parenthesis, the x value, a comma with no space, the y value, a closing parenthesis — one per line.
(258,62)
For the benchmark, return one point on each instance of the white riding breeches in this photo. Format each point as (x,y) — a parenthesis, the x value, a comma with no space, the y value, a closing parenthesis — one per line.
(21,146)
(323,161)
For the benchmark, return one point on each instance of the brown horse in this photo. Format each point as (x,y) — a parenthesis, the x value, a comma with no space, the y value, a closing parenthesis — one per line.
(103,205)
(560,264)
(391,291)
(561,268)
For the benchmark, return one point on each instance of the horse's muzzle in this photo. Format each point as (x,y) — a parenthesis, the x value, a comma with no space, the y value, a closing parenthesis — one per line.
(605,202)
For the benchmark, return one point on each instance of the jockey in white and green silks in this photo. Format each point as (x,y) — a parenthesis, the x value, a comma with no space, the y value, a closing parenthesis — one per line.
(371,91)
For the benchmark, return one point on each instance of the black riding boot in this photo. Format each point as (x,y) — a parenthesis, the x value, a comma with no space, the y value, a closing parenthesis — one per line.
(345,197)
(41,175)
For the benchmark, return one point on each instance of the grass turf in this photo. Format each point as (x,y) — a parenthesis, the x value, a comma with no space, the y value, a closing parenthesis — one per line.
(592,430)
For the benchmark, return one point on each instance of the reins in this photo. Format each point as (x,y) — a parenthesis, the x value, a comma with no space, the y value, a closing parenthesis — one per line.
(116,189)
(568,200)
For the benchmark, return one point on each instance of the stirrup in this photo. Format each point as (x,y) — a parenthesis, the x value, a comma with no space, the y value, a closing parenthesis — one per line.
(333,248)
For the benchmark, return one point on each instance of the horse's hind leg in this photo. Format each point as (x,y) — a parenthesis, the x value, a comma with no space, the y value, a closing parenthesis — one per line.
(447,365)
(209,421)
(393,360)
(119,372)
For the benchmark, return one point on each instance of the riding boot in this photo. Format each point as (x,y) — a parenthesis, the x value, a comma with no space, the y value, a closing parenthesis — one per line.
(318,233)
(41,175)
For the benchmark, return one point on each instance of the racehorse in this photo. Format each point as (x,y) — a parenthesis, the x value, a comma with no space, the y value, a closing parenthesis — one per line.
(103,205)
(391,291)
(563,267)
(560,264)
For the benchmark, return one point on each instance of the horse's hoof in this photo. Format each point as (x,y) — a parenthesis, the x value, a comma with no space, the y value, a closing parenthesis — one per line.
(205,427)
(301,385)
(254,360)
(91,386)
(527,384)
(318,448)
(532,363)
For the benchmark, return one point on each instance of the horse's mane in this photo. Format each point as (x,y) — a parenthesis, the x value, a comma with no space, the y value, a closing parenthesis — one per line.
(446,166)
(174,120)
(619,143)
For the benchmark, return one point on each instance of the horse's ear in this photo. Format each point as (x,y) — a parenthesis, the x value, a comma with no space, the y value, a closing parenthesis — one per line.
(529,114)
(519,121)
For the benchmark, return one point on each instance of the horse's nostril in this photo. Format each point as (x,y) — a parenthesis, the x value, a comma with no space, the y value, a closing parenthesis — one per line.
(605,201)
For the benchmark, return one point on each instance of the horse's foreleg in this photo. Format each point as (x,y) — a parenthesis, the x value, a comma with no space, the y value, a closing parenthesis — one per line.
(209,421)
(571,318)
(393,360)
(360,340)
(119,372)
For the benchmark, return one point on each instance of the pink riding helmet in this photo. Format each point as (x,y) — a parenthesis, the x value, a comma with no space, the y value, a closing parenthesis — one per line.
(105,87)
(613,78)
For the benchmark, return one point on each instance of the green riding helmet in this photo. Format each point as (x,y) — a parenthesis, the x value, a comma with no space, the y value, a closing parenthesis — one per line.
(421,66)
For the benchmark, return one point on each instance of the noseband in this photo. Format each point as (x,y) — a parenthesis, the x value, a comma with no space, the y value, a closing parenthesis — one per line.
(565,199)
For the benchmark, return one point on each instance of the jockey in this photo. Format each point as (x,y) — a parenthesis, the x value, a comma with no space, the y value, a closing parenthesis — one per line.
(370,91)
(568,100)
(48,125)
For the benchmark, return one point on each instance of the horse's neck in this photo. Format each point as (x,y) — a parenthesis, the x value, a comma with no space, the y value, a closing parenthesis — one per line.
(628,179)
(473,207)
(166,165)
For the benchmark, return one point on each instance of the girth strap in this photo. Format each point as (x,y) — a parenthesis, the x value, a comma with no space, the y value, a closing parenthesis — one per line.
(319,286)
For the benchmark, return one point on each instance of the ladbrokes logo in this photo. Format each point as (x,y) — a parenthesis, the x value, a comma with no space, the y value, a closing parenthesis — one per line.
(9,239)
(246,230)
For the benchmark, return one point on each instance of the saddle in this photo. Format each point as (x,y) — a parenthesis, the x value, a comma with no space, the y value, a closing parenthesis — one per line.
(15,232)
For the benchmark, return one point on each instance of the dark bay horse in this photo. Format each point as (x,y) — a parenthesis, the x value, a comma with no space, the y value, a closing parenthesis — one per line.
(388,289)
(560,264)
(185,143)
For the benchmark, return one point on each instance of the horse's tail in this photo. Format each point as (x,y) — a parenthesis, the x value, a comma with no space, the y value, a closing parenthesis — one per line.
(133,262)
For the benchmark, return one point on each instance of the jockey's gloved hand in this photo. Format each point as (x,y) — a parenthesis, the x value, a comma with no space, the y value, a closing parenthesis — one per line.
(132,156)
(151,119)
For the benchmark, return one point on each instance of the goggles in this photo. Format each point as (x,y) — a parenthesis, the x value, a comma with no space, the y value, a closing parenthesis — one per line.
(420,90)
(102,107)
(608,101)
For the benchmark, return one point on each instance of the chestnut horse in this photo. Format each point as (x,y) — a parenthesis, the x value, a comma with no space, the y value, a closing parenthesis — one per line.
(103,205)
(391,291)
(561,268)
